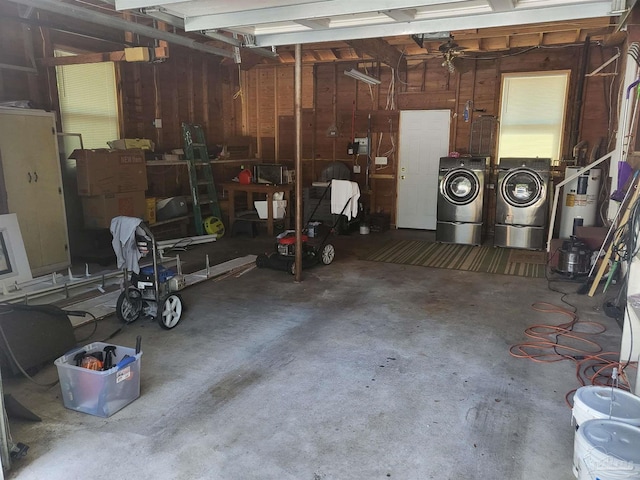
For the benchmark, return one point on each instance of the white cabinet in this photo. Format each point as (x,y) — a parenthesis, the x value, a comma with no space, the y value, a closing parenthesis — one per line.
(33,181)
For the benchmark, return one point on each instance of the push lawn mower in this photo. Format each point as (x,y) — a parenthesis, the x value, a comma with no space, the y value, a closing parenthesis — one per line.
(314,251)
(153,291)
(285,254)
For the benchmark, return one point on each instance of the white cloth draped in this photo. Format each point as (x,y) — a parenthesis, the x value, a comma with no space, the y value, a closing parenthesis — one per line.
(344,198)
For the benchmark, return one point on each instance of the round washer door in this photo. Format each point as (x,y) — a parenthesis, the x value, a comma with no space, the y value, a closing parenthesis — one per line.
(460,186)
(522,188)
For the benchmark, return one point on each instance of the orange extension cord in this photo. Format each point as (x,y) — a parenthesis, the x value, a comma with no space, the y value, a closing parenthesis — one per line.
(553,343)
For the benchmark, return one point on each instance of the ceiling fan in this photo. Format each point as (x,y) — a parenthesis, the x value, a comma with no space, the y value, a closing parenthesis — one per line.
(450,51)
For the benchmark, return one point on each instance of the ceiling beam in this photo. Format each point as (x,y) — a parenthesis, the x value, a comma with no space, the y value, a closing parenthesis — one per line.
(110,21)
(502,5)
(165,17)
(82,59)
(457,22)
(380,50)
(317,24)
(292,13)
(407,15)
(131,4)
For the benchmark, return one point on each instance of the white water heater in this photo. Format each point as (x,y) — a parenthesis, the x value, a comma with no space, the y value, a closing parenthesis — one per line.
(579,200)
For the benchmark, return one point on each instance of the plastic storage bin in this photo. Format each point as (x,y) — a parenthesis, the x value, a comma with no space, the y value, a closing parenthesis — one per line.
(100,393)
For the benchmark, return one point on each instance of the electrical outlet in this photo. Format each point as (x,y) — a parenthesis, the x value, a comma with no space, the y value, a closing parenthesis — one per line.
(356,169)
(157,123)
(381,161)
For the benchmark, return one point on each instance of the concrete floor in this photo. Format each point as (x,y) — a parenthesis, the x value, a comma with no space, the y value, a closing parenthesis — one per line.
(362,371)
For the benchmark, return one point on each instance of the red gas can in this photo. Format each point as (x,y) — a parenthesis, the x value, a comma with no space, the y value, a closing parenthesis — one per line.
(244,177)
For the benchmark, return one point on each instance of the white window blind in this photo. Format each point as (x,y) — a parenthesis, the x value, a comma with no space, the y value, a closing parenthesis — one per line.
(532,115)
(88,101)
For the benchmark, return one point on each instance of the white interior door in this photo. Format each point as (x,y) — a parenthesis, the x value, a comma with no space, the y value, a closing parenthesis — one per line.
(424,138)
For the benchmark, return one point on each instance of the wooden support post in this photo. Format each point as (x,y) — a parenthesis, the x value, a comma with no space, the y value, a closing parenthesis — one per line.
(298,116)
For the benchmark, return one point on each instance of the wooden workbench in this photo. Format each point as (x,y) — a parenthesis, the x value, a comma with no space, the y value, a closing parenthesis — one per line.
(261,189)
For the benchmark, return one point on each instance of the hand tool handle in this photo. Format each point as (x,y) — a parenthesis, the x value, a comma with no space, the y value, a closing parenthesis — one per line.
(125,361)
(138,343)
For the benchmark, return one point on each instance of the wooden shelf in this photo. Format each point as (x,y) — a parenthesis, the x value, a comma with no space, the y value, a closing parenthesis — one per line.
(387,176)
(165,163)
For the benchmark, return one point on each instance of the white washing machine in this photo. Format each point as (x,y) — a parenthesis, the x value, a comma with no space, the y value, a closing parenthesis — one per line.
(521,202)
(461,183)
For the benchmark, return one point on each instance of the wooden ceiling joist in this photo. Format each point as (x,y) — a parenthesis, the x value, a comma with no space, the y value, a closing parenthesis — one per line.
(381,50)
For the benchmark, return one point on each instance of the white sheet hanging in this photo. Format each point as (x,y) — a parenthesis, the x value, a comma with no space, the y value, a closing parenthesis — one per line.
(344,198)
(124,242)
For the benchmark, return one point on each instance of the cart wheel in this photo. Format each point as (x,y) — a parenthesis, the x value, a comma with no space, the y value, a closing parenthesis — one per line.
(292,268)
(171,311)
(262,261)
(328,254)
(129,305)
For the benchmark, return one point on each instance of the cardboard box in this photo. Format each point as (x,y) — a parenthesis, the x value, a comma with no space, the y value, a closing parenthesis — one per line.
(132,143)
(100,209)
(101,172)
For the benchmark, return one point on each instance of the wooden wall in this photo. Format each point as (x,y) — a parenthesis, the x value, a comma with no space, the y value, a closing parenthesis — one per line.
(331,99)
(257,106)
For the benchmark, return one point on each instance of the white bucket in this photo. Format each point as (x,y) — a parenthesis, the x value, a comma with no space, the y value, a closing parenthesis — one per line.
(593,402)
(607,450)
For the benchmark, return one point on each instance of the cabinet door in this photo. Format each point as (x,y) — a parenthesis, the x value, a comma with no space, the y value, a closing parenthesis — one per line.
(31,167)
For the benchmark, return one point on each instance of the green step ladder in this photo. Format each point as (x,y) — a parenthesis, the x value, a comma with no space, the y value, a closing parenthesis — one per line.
(200,175)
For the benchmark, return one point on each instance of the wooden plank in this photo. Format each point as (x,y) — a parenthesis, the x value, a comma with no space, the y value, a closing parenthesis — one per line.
(379,49)
(204,86)
(117,56)
(190,89)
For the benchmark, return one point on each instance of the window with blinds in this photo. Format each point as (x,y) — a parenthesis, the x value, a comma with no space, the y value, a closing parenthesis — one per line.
(532,114)
(88,101)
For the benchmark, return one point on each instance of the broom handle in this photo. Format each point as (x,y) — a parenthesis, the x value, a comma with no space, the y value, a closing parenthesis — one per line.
(607,257)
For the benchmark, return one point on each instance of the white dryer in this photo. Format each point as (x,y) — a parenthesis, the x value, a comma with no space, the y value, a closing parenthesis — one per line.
(461,199)
(521,202)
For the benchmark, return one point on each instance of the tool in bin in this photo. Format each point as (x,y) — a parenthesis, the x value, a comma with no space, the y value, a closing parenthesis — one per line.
(78,357)
(91,362)
(127,359)
(109,353)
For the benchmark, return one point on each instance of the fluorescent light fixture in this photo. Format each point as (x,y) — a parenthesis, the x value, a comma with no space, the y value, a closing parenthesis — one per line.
(362,77)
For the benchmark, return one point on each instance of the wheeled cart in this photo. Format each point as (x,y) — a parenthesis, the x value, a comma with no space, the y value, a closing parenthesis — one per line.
(153,291)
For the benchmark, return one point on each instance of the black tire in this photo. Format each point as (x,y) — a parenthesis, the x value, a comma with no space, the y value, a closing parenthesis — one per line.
(327,254)
(262,261)
(129,305)
(170,312)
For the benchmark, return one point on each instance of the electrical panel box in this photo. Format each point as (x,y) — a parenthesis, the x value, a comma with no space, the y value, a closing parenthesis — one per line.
(363,145)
